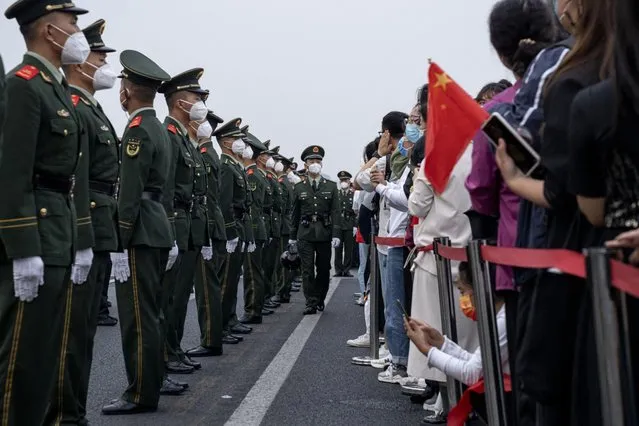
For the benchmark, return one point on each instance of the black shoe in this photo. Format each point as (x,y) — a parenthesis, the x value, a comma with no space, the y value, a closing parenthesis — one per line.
(107,321)
(188,361)
(120,407)
(241,329)
(338,274)
(239,338)
(170,388)
(434,419)
(271,305)
(178,367)
(266,312)
(310,310)
(295,289)
(281,299)
(320,307)
(204,352)
(251,320)
(183,385)
(347,274)
(230,340)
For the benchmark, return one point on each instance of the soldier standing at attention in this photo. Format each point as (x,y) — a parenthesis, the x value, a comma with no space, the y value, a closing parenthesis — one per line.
(100,166)
(284,276)
(40,148)
(208,288)
(145,235)
(344,253)
(185,100)
(316,227)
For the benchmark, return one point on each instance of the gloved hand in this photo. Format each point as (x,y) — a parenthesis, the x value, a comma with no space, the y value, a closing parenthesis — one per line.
(120,266)
(28,276)
(231,246)
(207,252)
(354,231)
(292,241)
(269,240)
(81,266)
(173,254)
(251,247)
(336,242)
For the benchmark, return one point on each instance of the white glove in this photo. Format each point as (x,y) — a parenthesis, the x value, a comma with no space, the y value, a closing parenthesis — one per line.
(173,254)
(336,242)
(251,247)
(292,241)
(354,231)
(81,266)
(207,253)
(231,246)
(120,266)
(245,247)
(28,276)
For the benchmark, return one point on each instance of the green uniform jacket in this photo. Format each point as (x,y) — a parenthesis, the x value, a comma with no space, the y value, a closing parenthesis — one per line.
(102,161)
(199,216)
(146,163)
(276,217)
(232,197)
(267,210)
(247,221)
(257,185)
(287,204)
(316,215)
(40,137)
(348,216)
(212,167)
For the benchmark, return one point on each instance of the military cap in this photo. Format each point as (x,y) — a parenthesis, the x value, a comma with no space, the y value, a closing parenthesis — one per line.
(230,130)
(294,165)
(93,33)
(288,162)
(267,144)
(256,145)
(301,173)
(188,81)
(313,152)
(245,130)
(273,151)
(344,175)
(214,120)
(141,70)
(27,11)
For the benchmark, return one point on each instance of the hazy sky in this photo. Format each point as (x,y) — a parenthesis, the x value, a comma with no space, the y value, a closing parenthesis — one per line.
(298,72)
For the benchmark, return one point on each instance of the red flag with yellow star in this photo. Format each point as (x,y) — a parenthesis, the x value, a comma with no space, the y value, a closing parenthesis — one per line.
(453,119)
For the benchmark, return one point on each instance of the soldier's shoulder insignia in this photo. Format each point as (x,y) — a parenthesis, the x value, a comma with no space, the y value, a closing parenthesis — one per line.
(281,180)
(133,147)
(45,77)
(135,122)
(27,72)
(250,172)
(75,99)
(171,128)
(270,176)
(203,150)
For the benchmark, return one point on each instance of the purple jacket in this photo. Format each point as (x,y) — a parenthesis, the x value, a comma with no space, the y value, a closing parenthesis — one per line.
(488,192)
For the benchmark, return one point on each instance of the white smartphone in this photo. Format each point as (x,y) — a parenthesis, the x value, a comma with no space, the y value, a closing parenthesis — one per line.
(524,156)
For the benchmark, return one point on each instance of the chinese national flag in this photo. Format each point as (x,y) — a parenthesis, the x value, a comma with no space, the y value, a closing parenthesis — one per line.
(453,119)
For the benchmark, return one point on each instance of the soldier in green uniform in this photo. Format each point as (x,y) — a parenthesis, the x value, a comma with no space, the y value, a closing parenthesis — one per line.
(283,276)
(208,288)
(185,100)
(316,227)
(344,253)
(233,205)
(40,148)
(271,251)
(145,235)
(98,178)
(2,90)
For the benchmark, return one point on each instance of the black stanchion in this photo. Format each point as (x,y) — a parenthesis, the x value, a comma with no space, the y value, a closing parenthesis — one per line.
(488,336)
(606,336)
(447,307)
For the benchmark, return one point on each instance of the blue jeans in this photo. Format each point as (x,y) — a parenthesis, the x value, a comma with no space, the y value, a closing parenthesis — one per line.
(393,290)
(363,261)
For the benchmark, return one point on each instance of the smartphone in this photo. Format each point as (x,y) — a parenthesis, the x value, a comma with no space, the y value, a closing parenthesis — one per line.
(524,156)
(401,307)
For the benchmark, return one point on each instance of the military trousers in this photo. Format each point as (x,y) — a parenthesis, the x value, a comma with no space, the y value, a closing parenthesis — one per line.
(254,282)
(208,297)
(31,344)
(270,260)
(344,253)
(172,350)
(183,288)
(70,406)
(316,270)
(232,268)
(140,301)
(284,276)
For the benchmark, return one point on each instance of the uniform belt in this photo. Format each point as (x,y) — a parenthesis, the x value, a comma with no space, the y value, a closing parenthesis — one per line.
(107,188)
(202,199)
(152,196)
(312,218)
(188,206)
(63,185)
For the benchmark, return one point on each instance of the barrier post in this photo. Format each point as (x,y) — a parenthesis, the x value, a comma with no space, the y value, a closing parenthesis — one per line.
(606,335)
(488,335)
(373,294)
(447,310)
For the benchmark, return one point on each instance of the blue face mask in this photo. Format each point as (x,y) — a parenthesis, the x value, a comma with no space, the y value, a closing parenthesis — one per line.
(413,132)
(402,149)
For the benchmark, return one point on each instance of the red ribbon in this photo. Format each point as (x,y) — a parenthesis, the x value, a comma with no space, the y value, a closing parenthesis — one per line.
(459,414)
(452,253)
(391,242)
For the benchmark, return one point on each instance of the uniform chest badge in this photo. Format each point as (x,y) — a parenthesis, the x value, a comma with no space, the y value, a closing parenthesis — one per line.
(63,113)
(252,186)
(133,147)
(104,128)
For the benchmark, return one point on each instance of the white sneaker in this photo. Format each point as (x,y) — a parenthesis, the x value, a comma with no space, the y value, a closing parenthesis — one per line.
(392,374)
(361,301)
(384,352)
(381,362)
(413,382)
(363,341)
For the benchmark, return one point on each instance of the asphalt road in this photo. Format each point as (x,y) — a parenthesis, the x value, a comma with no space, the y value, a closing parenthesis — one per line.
(292,370)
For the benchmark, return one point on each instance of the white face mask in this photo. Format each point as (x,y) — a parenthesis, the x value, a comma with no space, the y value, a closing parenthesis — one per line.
(344,185)
(293,178)
(198,111)
(238,146)
(104,77)
(248,153)
(270,163)
(76,49)
(315,168)
(204,130)
(279,167)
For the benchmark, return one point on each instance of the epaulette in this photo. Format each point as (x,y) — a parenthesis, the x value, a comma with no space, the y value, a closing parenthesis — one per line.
(135,122)
(75,99)
(280,180)
(28,72)
(250,172)
(203,150)
(270,176)
(171,128)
